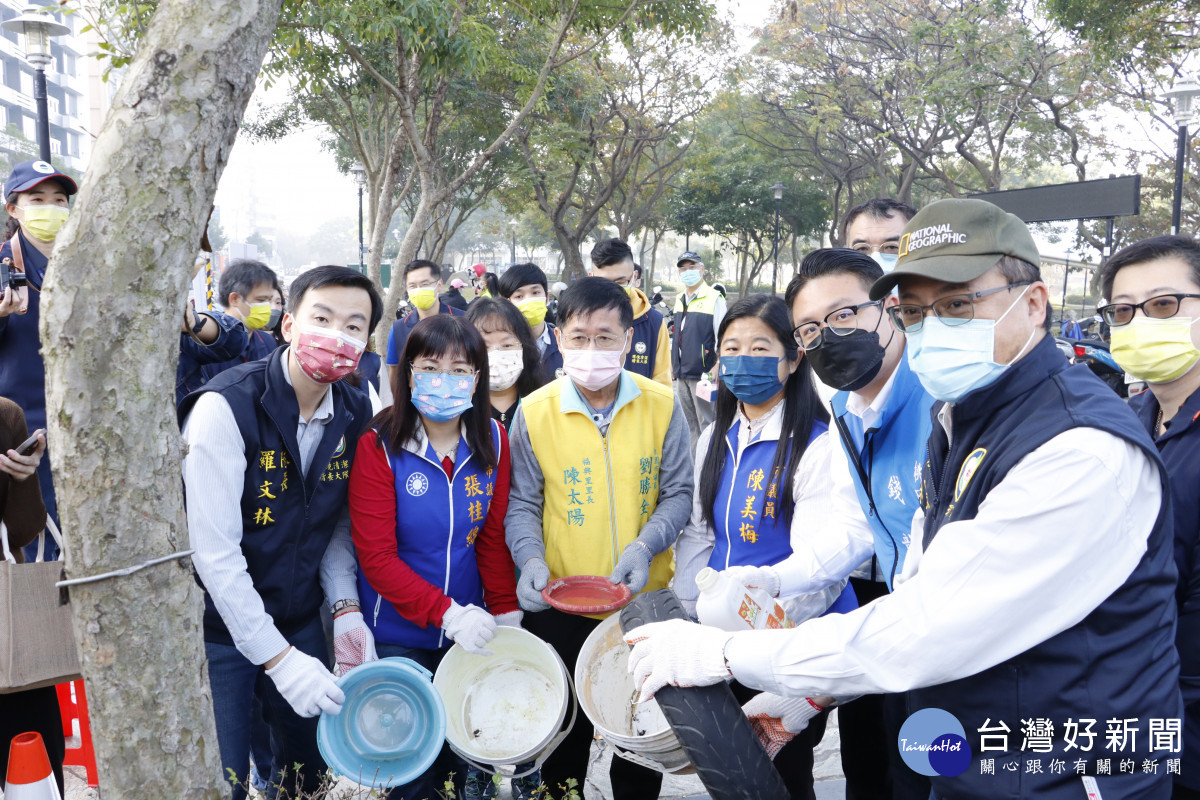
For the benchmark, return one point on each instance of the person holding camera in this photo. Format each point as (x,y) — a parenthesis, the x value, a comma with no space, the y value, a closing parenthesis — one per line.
(37,197)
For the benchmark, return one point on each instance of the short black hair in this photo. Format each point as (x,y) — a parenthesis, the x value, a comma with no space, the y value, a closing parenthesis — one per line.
(833,261)
(878,208)
(610,251)
(637,270)
(242,276)
(588,295)
(519,275)
(333,275)
(422,263)
(1184,248)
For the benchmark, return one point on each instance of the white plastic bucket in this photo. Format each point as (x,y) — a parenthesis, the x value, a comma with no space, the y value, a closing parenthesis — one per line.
(507,708)
(639,732)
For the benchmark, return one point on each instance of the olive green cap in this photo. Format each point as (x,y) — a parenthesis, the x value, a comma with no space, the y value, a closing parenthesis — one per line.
(957,241)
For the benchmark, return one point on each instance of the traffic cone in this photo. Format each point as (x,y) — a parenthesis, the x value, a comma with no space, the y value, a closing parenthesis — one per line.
(29,774)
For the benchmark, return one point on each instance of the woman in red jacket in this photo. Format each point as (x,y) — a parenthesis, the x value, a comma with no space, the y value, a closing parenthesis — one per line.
(428,494)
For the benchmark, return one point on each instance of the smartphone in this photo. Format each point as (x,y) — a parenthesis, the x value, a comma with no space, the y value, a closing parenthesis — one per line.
(29,445)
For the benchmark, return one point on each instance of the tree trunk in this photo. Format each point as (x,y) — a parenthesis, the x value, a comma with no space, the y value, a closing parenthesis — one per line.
(568,244)
(111,312)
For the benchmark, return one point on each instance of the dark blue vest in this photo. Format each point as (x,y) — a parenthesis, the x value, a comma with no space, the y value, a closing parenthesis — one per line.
(287,519)
(259,344)
(1119,662)
(437,522)
(552,360)
(644,348)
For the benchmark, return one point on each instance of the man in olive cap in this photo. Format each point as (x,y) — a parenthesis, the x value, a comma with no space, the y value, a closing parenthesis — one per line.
(1033,624)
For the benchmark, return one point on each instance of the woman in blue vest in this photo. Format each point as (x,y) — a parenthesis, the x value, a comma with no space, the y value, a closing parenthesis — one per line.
(514,364)
(428,494)
(761,479)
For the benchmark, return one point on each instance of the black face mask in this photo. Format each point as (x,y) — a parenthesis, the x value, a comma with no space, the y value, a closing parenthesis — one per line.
(850,362)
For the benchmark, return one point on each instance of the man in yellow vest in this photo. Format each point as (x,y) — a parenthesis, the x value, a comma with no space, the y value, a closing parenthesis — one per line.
(601,485)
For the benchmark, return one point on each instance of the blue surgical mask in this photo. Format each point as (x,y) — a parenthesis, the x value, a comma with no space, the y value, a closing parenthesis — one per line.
(887,261)
(441,396)
(752,379)
(953,360)
(690,277)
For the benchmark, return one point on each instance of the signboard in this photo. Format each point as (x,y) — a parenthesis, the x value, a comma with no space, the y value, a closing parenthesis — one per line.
(1099,199)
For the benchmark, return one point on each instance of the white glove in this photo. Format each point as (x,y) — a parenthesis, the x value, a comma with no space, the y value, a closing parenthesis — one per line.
(756,578)
(778,719)
(633,567)
(353,643)
(678,653)
(470,626)
(509,619)
(534,577)
(309,688)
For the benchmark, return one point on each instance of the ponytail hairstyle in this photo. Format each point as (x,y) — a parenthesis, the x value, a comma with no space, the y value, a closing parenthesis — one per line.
(438,336)
(801,410)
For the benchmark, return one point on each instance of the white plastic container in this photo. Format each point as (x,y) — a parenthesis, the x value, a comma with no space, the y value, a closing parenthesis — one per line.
(726,604)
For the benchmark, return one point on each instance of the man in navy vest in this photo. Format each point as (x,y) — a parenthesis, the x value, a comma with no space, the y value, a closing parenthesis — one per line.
(1153,288)
(1033,625)
(270,444)
(650,352)
(423,284)
(524,285)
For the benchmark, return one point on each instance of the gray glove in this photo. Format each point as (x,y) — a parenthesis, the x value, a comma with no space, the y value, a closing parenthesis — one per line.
(633,567)
(534,577)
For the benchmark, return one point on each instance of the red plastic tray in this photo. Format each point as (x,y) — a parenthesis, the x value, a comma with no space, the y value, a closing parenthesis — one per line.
(586,594)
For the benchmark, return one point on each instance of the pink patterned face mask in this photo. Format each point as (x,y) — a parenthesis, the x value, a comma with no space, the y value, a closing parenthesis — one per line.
(325,355)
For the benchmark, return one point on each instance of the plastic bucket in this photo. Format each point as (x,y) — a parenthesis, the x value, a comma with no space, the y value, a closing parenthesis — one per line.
(639,732)
(391,727)
(508,708)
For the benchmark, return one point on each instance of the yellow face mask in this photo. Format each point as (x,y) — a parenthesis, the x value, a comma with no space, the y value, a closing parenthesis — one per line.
(43,222)
(259,316)
(533,309)
(423,298)
(1155,350)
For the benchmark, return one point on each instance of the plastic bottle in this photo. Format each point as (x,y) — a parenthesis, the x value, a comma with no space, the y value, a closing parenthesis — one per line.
(726,604)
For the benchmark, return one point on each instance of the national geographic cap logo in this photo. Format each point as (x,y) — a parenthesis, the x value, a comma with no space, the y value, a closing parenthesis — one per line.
(930,237)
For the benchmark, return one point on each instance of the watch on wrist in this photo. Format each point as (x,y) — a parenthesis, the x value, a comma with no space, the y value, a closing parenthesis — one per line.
(342,605)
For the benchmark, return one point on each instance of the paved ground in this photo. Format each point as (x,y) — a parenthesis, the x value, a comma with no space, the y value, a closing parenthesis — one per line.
(828,769)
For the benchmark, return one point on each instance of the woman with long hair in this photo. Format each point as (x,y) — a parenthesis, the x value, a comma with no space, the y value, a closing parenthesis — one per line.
(762,473)
(514,365)
(428,494)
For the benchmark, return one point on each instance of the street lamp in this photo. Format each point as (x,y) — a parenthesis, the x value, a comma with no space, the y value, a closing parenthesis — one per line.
(1183,96)
(360,177)
(778,189)
(514,224)
(38,27)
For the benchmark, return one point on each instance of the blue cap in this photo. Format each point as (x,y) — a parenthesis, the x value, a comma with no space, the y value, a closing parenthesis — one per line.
(688,256)
(29,174)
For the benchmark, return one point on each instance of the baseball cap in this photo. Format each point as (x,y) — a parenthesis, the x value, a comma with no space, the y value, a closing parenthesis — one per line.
(457,283)
(957,241)
(688,256)
(29,174)
(479,269)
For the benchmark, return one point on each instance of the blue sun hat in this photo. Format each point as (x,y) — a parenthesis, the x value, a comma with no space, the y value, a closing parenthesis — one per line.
(392,724)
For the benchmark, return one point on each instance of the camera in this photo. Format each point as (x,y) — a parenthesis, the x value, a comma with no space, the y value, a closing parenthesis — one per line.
(9,276)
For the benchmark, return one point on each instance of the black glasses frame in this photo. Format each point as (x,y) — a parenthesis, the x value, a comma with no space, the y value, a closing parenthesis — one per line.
(895,311)
(1109,312)
(824,323)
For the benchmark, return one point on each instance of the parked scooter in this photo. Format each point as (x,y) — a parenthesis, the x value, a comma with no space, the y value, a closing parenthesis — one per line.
(1095,354)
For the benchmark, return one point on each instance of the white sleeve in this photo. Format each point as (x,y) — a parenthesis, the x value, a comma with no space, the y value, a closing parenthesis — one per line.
(1039,556)
(830,534)
(811,486)
(339,565)
(696,542)
(719,309)
(213,472)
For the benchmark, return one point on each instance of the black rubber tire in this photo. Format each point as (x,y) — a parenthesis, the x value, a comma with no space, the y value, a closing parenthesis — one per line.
(708,721)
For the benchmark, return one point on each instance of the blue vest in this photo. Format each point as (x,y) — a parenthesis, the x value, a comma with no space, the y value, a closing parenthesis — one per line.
(1119,662)
(890,455)
(287,519)
(644,347)
(437,521)
(552,360)
(750,529)
(398,334)
(1180,449)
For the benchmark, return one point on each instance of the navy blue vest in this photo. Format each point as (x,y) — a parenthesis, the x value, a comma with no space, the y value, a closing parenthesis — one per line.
(287,519)
(438,519)
(642,353)
(1119,662)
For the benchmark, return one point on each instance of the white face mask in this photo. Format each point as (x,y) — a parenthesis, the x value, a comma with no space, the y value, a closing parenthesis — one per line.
(504,367)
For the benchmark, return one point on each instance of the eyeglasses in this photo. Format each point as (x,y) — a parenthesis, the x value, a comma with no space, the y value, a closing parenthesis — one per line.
(887,248)
(603,341)
(425,285)
(458,372)
(1164,306)
(842,321)
(954,309)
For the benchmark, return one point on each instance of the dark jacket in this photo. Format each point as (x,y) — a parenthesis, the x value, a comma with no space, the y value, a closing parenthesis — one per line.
(193,357)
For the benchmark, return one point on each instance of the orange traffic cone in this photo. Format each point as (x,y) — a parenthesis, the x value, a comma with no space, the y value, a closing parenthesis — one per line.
(29,775)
